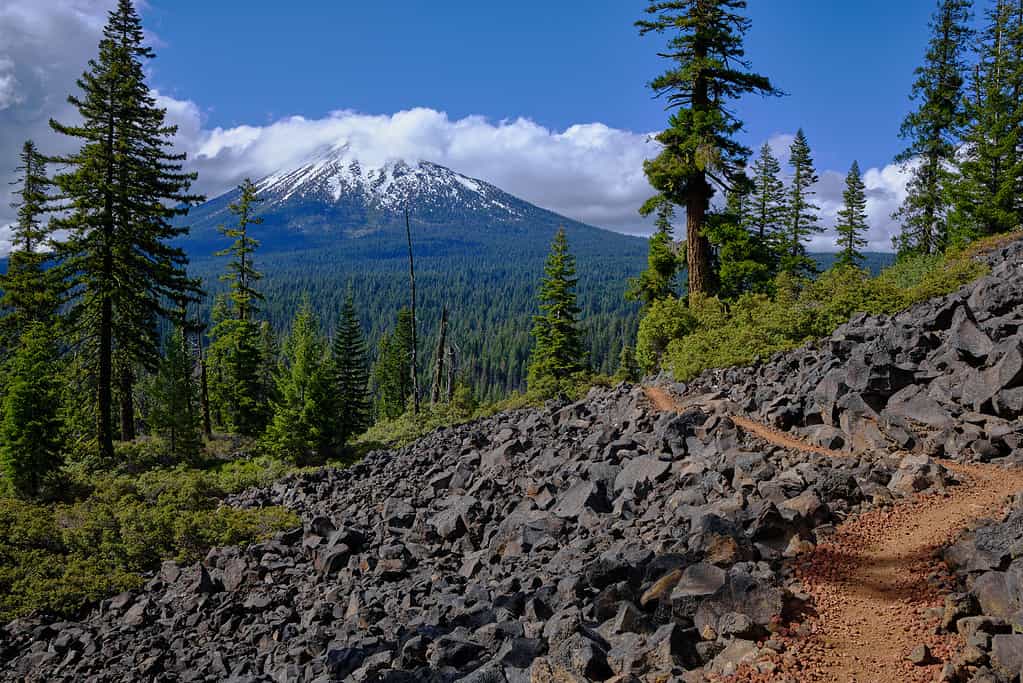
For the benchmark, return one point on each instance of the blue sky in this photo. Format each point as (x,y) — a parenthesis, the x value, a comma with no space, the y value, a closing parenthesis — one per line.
(847,66)
(547,100)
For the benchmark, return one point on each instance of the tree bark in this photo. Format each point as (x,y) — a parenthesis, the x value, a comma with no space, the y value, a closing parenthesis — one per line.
(412,291)
(438,367)
(701,275)
(698,256)
(104,379)
(126,385)
(204,393)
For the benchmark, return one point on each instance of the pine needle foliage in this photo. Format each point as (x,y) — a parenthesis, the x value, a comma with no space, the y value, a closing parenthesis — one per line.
(121,190)
(558,349)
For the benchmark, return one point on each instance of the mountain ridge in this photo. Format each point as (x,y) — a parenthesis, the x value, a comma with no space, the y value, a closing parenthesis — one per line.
(336,195)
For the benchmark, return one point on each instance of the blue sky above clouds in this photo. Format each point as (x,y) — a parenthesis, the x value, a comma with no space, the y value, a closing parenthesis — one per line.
(546,100)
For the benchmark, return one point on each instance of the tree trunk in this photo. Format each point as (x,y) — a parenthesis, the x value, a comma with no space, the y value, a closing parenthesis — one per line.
(204,394)
(452,371)
(412,288)
(126,385)
(701,274)
(104,379)
(438,367)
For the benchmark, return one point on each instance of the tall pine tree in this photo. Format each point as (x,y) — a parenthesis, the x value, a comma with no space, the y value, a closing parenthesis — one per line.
(122,189)
(241,274)
(709,72)
(350,376)
(932,130)
(989,195)
(558,350)
(852,219)
(30,290)
(768,208)
(236,355)
(801,219)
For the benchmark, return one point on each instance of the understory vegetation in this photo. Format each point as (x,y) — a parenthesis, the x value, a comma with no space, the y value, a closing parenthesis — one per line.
(688,338)
(110,527)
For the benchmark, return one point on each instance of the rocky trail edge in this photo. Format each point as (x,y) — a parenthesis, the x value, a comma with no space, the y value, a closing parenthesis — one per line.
(877,586)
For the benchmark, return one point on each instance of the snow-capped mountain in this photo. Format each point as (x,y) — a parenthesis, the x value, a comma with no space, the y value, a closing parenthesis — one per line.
(339,203)
(337,177)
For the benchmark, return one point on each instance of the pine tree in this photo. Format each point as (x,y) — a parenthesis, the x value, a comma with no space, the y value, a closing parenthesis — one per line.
(350,381)
(801,219)
(709,72)
(932,130)
(175,391)
(122,189)
(301,427)
(392,373)
(558,350)
(241,273)
(852,219)
(29,289)
(989,194)
(658,280)
(237,381)
(744,261)
(237,340)
(30,426)
(768,208)
(628,368)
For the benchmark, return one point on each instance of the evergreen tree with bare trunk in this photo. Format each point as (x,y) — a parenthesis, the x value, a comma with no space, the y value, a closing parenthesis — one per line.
(122,190)
(708,74)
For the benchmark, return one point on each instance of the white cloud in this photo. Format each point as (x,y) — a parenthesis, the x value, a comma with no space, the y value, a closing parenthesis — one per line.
(590,171)
(9,94)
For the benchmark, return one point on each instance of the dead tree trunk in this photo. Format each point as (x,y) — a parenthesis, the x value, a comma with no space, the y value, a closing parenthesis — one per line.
(204,392)
(412,288)
(438,367)
(452,371)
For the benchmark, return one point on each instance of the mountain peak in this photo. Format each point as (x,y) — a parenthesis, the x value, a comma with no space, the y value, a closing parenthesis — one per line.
(337,175)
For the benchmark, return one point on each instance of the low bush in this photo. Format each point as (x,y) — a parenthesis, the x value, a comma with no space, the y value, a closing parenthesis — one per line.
(711,333)
(61,557)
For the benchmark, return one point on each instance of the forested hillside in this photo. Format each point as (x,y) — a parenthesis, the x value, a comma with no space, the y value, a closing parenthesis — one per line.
(491,303)
(336,223)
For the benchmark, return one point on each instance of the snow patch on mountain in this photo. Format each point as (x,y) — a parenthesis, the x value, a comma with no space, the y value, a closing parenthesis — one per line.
(337,175)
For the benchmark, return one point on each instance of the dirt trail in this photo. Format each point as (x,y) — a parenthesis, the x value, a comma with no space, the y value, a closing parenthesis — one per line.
(877,582)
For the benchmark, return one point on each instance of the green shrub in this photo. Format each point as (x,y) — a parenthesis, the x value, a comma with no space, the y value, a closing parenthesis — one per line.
(712,334)
(64,556)
(665,320)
